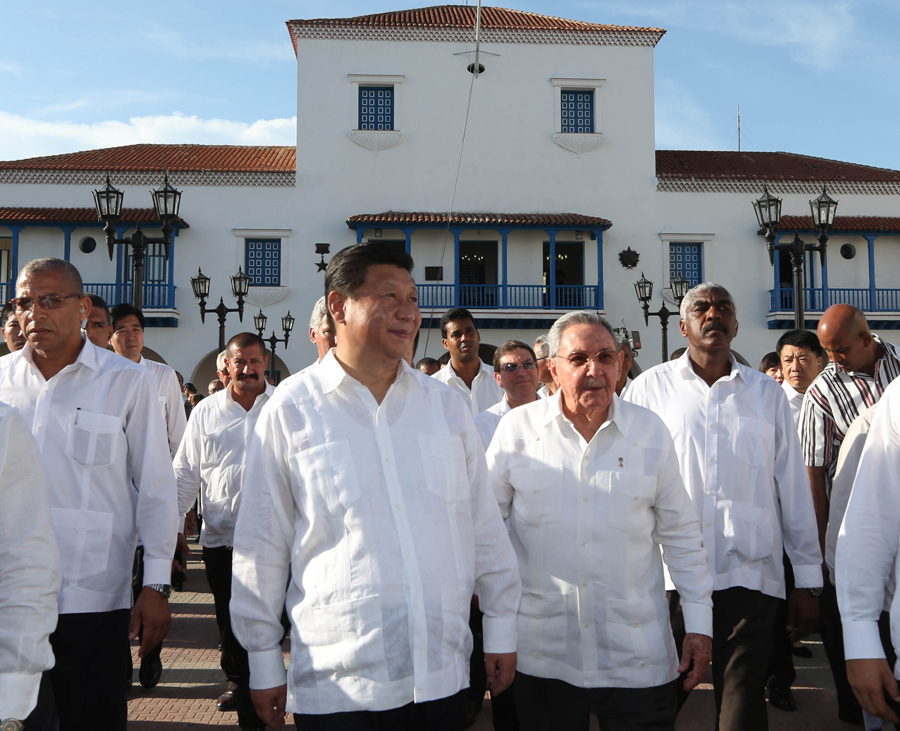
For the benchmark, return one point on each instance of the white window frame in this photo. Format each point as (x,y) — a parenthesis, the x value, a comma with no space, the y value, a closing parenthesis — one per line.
(242,234)
(704,239)
(392,80)
(572,84)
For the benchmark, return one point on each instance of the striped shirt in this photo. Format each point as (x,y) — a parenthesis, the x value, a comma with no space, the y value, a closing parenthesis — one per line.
(835,399)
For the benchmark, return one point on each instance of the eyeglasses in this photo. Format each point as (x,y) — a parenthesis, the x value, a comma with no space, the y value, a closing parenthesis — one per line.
(47,302)
(512,368)
(581,360)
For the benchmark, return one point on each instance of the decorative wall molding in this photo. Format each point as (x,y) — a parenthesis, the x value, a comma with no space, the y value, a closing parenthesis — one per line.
(263,297)
(578,142)
(610,37)
(784,187)
(376,139)
(280,179)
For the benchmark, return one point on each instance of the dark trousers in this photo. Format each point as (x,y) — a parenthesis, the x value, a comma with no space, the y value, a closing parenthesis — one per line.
(445,714)
(833,641)
(742,647)
(781,666)
(547,704)
(503,711)
(88,678)
(234,660)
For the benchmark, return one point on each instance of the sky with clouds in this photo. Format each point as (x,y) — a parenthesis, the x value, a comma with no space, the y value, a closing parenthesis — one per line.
(816,77)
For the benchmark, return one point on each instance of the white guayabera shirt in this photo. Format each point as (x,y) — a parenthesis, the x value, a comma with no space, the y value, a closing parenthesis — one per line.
(29,569)
(382,517)
(102,439)
(486,422)
(586,520)
(485,391)
(211,459)
(740,459)
(168,395)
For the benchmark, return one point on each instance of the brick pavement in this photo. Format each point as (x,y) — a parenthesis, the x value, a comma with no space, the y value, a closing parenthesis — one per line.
(185,699)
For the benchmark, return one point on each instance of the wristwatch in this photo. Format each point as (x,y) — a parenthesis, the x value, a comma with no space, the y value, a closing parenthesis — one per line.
(11,724)
(164,589)
(814,590)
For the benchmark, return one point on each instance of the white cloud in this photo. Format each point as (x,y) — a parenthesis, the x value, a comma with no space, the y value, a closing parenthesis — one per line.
(11,68)
(21,137)
(680,123)
(812,32)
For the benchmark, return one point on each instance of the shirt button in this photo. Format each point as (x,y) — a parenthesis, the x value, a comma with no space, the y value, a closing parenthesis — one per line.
(387,461)
(41,427)
(585,499)
(409,555)
(398,506)
(587,624)
(643,663)
(584,543)
(584,584)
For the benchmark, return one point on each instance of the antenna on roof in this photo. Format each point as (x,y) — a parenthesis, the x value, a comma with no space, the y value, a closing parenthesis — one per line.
(739,127)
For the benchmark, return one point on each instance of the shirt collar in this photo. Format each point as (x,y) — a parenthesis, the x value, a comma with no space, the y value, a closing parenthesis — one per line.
(791,392)
(615,417)
(86,357)
(332,373)
(683,366)
(483,367)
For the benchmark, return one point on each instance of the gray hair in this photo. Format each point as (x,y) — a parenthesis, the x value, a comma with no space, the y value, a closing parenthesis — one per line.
(697,292)
(577,317)
(319,313)
(52,265)
(541,349)
(220,361)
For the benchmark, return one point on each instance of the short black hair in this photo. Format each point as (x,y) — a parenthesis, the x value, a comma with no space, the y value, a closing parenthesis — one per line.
(349,268)
(98,303)
(427,362)
(801,339)
(509,346)
(457,313)
(769,360)
(246,340)
(9,309)
(123,310)
(190,387)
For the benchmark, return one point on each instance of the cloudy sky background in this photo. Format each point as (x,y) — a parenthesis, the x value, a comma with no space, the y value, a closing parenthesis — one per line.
(813,77)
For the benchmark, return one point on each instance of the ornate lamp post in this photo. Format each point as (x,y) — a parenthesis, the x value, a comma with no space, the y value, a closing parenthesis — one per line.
(166,202)
(768,215)
(287,324)
(643,288)
(240,285)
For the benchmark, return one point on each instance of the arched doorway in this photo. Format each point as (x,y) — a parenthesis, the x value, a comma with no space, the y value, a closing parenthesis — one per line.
(206,371)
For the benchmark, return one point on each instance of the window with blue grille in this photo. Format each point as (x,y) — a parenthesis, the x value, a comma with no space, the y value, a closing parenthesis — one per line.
(577,111)
(263,262)
(684,259)
(156,267)
(376,107)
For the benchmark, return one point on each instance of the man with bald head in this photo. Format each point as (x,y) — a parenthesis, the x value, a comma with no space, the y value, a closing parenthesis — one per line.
(861,367)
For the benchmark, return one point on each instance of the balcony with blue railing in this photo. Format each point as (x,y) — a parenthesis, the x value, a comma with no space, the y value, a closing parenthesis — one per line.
(157,296)
(814,299)
(518,296)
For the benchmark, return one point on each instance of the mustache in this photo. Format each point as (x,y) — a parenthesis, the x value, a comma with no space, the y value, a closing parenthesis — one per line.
(714,326)
(245,376)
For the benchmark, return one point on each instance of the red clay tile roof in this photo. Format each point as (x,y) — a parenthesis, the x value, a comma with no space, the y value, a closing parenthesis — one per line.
(76,215)
(488,219)
(186,158)
(463,16)
(763,166)
(843,223)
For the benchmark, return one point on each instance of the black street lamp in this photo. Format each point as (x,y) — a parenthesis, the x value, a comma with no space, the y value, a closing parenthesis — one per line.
(643,288)
(240,286)
(166,202)
(768,215)
(287,324)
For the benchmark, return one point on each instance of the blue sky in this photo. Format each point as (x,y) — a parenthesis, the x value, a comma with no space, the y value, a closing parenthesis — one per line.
(817,77)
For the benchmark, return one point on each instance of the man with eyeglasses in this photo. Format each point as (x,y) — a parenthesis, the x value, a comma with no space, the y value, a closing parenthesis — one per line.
(515,369)
(591,487)
(100,432)
(740,459)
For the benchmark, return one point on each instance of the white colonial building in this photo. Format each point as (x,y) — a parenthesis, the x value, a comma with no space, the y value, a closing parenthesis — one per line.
(558,164)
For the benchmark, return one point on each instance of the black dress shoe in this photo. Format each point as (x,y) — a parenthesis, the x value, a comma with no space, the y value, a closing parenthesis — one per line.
(782,699)
(228,700)
(801,651)
(151,670)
